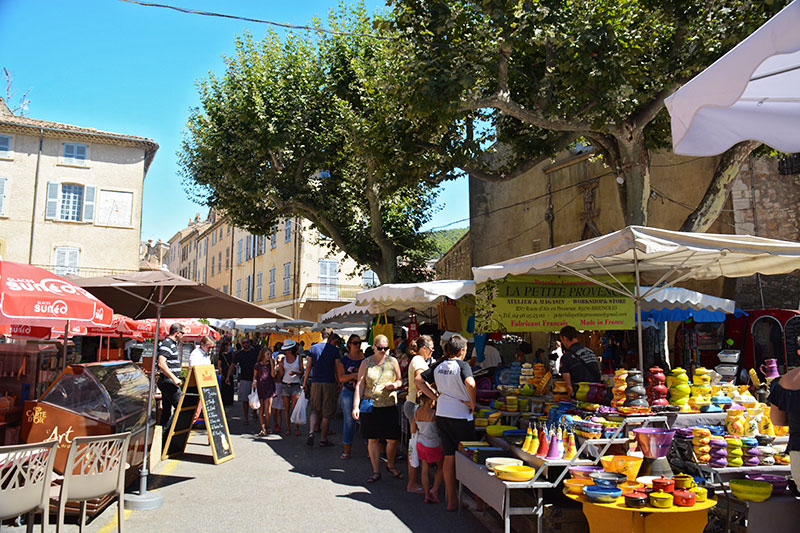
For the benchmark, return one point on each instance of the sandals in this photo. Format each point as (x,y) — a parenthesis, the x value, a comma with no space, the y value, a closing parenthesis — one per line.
(261,433)
(325,444)
(395,472)
(376,476)
(310,440)
(344,456)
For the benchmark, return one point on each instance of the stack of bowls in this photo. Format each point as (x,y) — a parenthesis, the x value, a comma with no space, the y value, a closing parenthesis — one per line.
(734,450)
(752,455)
(718,455)
(679,389)
(512,404)
(619,387)
(767,455)
(583,471)
(701,437)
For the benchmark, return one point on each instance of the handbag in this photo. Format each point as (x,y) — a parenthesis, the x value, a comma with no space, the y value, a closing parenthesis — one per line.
(382,327)
(366,405)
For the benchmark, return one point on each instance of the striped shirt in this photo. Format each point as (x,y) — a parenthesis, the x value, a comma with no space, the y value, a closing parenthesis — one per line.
(169,349)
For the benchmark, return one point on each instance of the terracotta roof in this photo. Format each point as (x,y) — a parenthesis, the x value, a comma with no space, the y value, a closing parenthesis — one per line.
(32,126)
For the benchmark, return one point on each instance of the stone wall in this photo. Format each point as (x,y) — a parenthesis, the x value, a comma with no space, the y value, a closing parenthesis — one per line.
(456,263)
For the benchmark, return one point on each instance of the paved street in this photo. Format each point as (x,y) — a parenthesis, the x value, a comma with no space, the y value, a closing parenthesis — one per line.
(278,483)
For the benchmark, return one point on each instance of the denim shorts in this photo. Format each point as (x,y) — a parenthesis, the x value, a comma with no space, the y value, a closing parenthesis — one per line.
(290,389)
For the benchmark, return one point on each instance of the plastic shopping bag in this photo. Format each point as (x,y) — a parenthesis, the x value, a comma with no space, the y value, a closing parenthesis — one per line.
(299,413)
(253,400)
(413,455)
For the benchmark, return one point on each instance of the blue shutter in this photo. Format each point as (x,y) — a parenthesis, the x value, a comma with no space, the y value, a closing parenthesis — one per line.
(88,203)
(51,211)
(3,196)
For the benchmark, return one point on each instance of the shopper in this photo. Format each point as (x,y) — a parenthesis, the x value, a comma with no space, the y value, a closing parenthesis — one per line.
(201,355)
(169,381)
(784,400)
(246,359)
(347,369)
(319,382)
(264,384)
(378,380)
(578,363)
(224,363)
(277,404)
(454,406)
(429,446)
(419,363)
(291,375)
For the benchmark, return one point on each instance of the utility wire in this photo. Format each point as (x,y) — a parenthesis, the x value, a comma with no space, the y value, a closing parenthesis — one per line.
(258,21)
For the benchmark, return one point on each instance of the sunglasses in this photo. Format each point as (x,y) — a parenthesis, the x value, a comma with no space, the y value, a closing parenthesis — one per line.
(355,342)
(381,348)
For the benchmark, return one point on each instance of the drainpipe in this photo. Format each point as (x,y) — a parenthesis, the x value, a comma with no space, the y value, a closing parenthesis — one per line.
(233,238)
(35,190)
(298,243)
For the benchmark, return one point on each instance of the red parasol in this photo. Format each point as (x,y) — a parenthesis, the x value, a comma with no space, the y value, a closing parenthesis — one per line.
(33,296)
(192,328)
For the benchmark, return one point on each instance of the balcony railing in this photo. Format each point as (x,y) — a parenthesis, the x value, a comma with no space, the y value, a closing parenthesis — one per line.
(84,272)
(318,291)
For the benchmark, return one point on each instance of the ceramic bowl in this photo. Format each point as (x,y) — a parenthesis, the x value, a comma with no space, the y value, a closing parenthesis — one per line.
(582,472)
(608,479)
(630,486)
(622,464)
(663,484)
(602,494)
(492,462)
(497,430)
(683,498)
(700,493)
(683,481)
(751,490)
(637,500)
(514,472)
(779,483)
(575,486)
(764,440)
(654,442)
(661,499)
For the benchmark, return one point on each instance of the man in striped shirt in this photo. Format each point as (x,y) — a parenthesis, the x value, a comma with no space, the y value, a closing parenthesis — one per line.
(169,381)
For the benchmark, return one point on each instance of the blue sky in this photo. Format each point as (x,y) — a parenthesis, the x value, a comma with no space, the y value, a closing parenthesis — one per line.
(129,69)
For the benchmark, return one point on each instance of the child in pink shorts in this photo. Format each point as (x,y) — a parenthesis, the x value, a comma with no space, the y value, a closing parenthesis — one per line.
(429,447)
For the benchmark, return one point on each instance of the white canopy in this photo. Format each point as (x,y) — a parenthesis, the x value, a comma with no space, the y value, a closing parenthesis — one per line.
(349,312)
(750,93)
(254,324)
(657,254)
(419,296)
(677,298)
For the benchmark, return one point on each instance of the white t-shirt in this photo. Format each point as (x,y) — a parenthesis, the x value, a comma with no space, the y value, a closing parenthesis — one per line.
(491,357)
(449,376)
(199,357)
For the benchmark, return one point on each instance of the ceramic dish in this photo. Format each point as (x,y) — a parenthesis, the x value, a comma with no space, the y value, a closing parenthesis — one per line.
(492,462)
(622,464)
(575,486)
(779,483)
(608,479)
(661,499)
(637,500)
(601,494)
(497,430)
(751,490)
(583,472)
(514,472)
(683,498)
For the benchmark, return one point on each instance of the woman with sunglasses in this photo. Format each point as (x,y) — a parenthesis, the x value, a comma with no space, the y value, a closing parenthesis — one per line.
(347,369)
(379,379)
(423,351)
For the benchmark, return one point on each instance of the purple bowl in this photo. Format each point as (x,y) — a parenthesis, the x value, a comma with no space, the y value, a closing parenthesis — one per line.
(779,483)
(654,442)
(718,462)
(583,472)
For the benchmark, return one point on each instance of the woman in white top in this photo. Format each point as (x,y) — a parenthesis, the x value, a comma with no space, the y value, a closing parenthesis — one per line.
(291,373)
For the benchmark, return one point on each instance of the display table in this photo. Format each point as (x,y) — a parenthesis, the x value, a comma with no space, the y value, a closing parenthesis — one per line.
(615,517)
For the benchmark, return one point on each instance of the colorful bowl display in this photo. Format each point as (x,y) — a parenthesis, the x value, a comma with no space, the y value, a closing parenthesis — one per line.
(575,486)
(751,490)
(492,462)
(602,494)
(583,471)
(654,442)
(497,430)
(622,464)
(637,500)
(514,472)
(661,499)
(608,479)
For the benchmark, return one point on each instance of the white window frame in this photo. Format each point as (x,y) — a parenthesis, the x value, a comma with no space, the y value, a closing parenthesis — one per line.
(3,196)
(72,160)
(272,282)
(328,283)
(7,153)
(71,261)
(259,284)
(287,230)
(54,198)
(213,238)
(287,277)
(369,279)
(273,238)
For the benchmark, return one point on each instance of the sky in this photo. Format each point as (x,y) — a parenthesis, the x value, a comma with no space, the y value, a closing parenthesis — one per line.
(129,69)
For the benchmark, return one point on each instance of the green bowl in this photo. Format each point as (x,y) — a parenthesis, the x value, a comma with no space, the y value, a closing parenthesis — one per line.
(750,490)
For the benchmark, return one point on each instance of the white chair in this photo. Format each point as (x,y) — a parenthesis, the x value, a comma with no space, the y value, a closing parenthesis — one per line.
(25,474)
(95,467)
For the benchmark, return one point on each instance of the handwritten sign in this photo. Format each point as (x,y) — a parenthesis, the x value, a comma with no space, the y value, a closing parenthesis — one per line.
(201,389)
(547,303)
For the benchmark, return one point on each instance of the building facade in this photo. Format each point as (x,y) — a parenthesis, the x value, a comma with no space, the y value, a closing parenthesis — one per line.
(70,197)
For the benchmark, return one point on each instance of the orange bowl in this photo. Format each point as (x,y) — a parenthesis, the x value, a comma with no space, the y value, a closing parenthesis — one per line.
(575,485)
(622,464)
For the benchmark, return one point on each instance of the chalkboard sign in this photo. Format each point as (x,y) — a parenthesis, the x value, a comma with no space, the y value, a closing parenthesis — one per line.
(201,389)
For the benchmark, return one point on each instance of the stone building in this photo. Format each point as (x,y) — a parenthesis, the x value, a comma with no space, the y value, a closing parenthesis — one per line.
(71,197)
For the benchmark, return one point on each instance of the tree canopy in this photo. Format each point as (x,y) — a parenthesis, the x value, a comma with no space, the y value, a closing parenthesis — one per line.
(314,126)
(546,73)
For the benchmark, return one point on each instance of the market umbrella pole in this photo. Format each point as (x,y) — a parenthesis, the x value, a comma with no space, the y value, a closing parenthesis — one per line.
(148,500)
(638,301)
(64,348)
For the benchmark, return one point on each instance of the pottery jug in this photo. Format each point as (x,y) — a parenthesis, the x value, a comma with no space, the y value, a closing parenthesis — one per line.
(735,422)
(679,376)
(770,368)
(582,392)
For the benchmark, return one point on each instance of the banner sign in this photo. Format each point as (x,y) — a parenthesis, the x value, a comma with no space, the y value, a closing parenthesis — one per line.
(548,303)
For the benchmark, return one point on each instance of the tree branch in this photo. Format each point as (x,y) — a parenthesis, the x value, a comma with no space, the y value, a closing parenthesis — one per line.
(387,274)
(479,171)
(645,114)
(503,102)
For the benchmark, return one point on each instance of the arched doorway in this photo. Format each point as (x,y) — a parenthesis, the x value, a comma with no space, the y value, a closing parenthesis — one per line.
(792,336)
(767,342)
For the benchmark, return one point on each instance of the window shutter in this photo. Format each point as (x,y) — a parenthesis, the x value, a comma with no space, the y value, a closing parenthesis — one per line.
(72,259)
(88,203)
(3,197)
(80,152)
(51,210)
(69,151)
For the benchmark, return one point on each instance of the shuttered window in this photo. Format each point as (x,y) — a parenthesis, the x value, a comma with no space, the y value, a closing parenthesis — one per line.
(287,277)
(3,195)
(74,154)
(272,282)
(66,262)
(328,280)
(5,146)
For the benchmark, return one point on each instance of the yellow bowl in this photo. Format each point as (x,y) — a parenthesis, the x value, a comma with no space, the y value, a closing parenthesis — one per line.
(493,462)
(481,422)
(575,485)
(515,472)
(497,430)
(630,486)
(751,490)
(622,464)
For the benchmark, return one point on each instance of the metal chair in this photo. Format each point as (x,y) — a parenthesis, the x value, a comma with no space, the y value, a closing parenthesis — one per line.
(95,467)
(25,474)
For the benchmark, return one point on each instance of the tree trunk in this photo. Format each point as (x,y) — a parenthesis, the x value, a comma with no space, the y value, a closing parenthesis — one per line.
(634,167)
(728,167)
(388,267)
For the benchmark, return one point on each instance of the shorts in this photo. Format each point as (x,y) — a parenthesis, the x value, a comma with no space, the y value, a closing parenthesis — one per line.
(409,408)
(323,399)
(290,389)
(381,423)
(245,388)
(429,455)
(454,430)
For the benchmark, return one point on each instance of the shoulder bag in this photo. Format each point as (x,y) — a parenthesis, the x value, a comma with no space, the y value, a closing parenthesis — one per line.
(366,405)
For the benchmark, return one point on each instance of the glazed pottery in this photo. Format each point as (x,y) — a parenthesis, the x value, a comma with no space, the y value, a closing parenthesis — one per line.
(661,499)
(607,479)
(635,394)
(683,481)
(683,498)
(582,392)
(583,471)
(656,390)
(750,490)
(779,483)
(654,442)
(770,368)
(602,494)
(628,465)
(700,493)
(637,500)
(735,422)
(514,472)
(597,392)
(575,486)
(663,484)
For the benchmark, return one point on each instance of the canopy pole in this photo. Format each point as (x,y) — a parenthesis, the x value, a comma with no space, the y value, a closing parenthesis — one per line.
(148,500)
(64,348)
(638,300)
(581,275)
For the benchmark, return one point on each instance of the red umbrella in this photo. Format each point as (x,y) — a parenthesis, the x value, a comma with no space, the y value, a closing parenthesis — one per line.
(192,329)
(33,296)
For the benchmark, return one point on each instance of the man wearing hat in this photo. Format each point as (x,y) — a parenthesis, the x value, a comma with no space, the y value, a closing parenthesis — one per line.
(321,369)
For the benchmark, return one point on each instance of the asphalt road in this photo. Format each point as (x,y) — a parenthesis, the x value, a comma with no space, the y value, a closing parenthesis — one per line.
(277,483)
